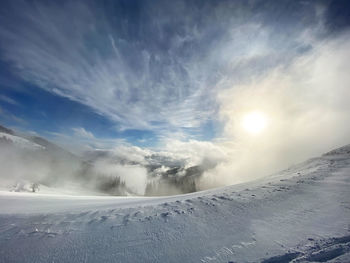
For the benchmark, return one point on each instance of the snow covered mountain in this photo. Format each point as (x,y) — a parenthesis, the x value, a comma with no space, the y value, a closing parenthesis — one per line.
(55,169)
(30,160)
(20,142)
(301,214)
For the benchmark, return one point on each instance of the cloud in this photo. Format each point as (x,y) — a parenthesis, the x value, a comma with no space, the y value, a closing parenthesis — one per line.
(307,108)
(125,81)
(156,70)
(8,100)
(134,176)
(173,170)
(82,141)
(8,116)
(194,152)
(81,132)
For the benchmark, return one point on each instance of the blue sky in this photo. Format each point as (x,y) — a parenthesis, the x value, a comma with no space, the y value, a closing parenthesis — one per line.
(108,72)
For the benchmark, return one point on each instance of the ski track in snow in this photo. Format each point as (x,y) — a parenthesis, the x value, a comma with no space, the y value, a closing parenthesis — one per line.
(299,215)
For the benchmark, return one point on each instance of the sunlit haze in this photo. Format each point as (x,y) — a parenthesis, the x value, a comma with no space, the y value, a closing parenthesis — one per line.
(254,122)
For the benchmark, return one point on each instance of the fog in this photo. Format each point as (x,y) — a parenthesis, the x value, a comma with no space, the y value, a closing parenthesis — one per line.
(32,164)
(22,167)
(307,109)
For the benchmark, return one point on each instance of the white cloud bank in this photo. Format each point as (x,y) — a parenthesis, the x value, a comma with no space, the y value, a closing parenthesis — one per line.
(308,111)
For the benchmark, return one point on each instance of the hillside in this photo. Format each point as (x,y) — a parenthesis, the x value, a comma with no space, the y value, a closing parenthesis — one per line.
(301,214)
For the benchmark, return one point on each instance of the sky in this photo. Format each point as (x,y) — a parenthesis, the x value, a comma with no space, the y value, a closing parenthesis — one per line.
(174,75)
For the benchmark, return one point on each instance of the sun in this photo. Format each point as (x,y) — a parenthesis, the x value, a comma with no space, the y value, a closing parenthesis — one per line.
(254,122)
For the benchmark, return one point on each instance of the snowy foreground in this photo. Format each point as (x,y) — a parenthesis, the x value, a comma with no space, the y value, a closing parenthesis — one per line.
(299,215)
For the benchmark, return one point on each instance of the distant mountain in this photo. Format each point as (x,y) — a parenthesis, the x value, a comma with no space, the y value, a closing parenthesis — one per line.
(6,130)
(339,151)
(36,160)
(35,143)
(19,142)
(165,175)
(43,162)
(54,149)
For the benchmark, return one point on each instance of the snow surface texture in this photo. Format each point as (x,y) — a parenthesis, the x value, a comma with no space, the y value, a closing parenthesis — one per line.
(299,215)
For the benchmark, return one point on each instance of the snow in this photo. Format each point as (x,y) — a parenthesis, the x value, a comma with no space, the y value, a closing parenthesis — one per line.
(301,214)
(21,142)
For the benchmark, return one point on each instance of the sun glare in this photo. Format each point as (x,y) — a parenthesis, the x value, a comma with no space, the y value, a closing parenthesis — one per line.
(254,122)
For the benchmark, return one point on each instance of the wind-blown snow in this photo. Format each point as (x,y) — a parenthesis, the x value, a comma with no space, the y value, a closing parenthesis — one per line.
(20,142)
(301,214)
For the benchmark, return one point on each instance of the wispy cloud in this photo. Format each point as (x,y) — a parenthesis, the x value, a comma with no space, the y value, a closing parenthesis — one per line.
(8,100)
(81,132)
(8,116)
(154,71)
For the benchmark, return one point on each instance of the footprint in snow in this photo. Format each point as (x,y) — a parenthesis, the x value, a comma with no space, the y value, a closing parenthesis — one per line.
(165,216)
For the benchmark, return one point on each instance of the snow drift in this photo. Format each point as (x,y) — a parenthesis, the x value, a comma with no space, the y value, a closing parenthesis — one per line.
(301,214)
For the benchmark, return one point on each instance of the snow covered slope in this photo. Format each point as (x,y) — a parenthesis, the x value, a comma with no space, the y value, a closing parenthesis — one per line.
(20,142)
(299,215)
